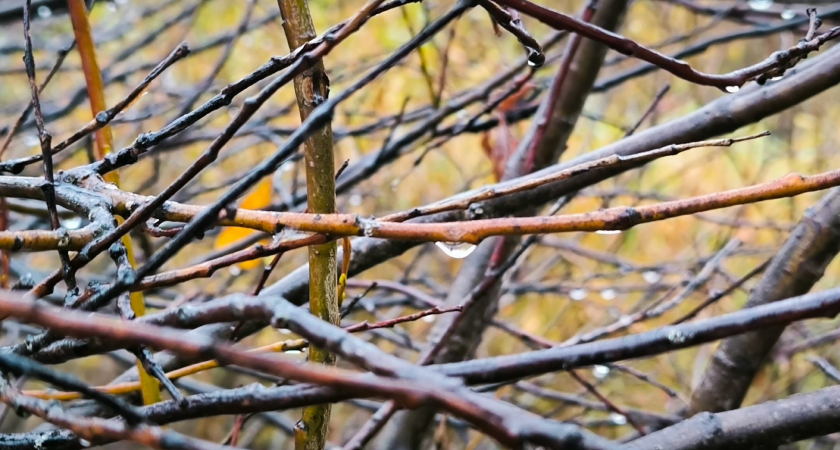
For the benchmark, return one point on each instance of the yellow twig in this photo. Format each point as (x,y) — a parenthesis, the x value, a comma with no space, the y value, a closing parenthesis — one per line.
(104,144)
(132,386)
(345,269)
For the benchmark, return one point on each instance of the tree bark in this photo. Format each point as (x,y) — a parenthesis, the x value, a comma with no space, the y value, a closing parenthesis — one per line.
(796,268)
(760,426)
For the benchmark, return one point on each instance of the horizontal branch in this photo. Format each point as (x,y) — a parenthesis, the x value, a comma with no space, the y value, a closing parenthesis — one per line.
(618,218)
(775,65)
(509,425)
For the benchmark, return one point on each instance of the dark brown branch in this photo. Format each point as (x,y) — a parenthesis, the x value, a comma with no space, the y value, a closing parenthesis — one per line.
(773,66)
(800,263)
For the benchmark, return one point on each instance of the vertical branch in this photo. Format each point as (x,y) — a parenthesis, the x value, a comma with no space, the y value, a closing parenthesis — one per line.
(5,265)
(312,89)
(798,265)
(46,143)
(104,143)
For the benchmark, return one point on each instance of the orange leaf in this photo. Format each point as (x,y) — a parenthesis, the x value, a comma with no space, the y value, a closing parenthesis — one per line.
(259,199)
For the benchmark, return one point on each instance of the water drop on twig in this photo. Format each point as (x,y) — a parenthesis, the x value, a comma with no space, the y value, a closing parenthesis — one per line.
(651,276)
(608,232)
(618,419)
(600,372)
(733,89)
(760,5)
(608,294)
(457,250)
(578,294)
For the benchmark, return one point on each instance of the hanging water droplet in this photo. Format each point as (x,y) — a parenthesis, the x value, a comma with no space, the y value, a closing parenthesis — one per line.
(733,89)
(287,166)
(535,58)
(625,321)
(652,276)
(44,11)
(600,372)
(457,250)
(72,223)
(293,352)
(355,199)
(608,294)
(776,78)
(618,419)
(285,331)
(760,5)
(31,140)
(84,442)
(788,14)
(578,294)
(235,270)
(429,318)
(608,232)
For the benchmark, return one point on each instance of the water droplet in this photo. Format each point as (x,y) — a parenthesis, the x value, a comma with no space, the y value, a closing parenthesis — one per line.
(600,372)
(112,7)
(733,89)
(235,270)
(284,331)
(368,227)
(618,419)
(776,78)
(535,59)
(429,319)
(608,232)
(31,140)
(652,276)
(608,294)
(457,250)
(84,442)
(44,11)
(293,352)
(578,294)
(760,5)
(625,321)
(788,14)
(72,223)
(676,336)
(355,199)
(287,166)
